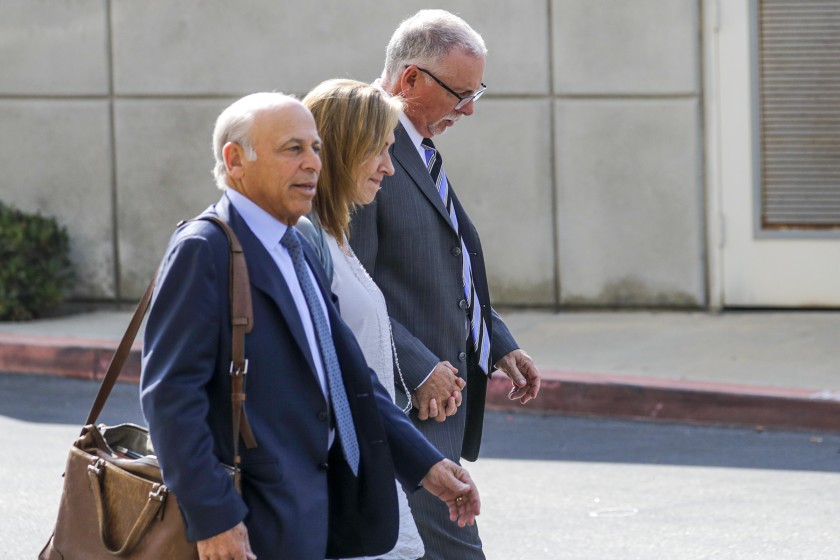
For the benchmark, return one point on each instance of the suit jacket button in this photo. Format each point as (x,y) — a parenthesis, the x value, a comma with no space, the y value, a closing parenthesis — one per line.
(462,356)
(462,304)
(322,415)
(324,466)
(456,251)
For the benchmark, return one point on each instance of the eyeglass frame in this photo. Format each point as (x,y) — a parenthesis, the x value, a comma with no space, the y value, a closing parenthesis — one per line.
(462,101)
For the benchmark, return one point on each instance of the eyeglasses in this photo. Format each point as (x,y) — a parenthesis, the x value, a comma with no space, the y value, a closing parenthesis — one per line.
(461,100)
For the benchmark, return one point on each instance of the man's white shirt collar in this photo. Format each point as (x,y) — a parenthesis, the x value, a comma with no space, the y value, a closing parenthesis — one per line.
(268,229)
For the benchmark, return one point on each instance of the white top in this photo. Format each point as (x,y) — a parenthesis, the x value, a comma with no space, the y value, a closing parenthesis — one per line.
(363,309)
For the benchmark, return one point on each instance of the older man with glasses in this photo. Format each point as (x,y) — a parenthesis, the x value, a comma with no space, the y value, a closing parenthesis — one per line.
(424,253)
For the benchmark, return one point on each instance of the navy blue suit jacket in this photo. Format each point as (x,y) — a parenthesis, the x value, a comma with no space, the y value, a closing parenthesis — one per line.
(298,500)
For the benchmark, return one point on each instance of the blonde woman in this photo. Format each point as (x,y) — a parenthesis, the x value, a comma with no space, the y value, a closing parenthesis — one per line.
(356,123)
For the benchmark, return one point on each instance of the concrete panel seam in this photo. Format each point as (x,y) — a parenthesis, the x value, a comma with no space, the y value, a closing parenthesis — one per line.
(552,112)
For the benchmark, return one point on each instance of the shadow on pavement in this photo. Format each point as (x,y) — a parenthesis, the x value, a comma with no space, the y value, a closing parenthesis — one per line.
(60,400)
(564,438)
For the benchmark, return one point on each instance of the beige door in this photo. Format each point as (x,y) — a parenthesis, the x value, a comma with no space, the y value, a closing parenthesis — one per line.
(762,152)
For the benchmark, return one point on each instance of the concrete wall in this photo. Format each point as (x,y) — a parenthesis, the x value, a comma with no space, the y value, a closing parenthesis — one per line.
(582,165)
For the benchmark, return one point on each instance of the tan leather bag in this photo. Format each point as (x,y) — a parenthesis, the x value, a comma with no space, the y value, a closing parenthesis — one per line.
(114,503)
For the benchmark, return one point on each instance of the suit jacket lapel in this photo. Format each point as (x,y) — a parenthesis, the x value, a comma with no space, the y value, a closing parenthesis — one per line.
(264,276)
(406,154)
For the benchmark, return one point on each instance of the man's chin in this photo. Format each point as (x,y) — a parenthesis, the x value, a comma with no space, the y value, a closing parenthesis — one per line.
(444,124)
(438,129)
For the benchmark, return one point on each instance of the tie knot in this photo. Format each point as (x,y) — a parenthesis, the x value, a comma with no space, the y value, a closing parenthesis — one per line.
(428,144)
(290,240)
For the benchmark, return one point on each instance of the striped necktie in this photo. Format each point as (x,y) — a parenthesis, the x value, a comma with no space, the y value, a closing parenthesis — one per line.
(338,397)
(478,326)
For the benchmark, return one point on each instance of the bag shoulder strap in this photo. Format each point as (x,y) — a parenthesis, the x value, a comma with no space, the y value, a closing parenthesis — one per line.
(120,356)
(242,322)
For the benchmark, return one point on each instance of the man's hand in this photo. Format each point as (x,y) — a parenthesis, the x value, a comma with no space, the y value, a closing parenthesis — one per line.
(523,373)
(453,485)
(233,544)
(440,395)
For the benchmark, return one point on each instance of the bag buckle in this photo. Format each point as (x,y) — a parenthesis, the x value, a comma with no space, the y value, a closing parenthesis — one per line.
(96,467)
(158,492)
(239,371)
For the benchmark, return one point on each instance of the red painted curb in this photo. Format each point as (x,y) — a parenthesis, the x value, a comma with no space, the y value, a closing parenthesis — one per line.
(571,393)
(677,401)
(67,357)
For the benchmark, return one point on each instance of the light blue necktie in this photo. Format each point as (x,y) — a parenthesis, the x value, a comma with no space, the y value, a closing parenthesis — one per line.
(478,327)
(338,397)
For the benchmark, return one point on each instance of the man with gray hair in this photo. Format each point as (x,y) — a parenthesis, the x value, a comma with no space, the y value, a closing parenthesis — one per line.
(325,441)
(424,253)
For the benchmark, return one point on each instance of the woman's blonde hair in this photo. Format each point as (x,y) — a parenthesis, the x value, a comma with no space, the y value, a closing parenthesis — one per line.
(353,120)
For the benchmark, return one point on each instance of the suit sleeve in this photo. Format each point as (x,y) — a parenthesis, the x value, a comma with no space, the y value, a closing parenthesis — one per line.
(315,236)
(502,341)
(181,338)
(416,360)
(412,453)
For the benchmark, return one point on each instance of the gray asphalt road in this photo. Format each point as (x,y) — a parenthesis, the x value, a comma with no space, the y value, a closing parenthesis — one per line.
(552,487)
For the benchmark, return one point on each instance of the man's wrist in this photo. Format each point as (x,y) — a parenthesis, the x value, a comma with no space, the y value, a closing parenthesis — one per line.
(425,378)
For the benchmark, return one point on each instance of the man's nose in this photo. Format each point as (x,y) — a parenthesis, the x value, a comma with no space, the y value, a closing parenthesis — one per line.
(312,161)
(468,108)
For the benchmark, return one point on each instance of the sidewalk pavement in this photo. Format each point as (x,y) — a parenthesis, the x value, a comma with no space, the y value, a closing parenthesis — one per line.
(763,369)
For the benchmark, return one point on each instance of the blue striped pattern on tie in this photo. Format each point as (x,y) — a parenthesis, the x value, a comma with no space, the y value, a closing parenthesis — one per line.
(338,397)
(478,326)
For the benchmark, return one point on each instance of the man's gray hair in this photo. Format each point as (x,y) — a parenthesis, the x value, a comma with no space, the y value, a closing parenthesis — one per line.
(425,38)
(234,125)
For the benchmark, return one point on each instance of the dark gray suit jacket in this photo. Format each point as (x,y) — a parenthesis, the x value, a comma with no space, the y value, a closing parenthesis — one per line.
(406,242)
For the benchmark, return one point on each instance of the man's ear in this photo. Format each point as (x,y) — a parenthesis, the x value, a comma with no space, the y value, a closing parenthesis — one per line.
(408,79)
(234,156)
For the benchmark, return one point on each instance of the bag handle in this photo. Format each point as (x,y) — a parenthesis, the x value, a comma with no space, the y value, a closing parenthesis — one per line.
(242,322)
(152,509)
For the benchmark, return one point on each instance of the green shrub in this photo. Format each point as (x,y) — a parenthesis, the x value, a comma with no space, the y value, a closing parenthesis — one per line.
(35,268)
